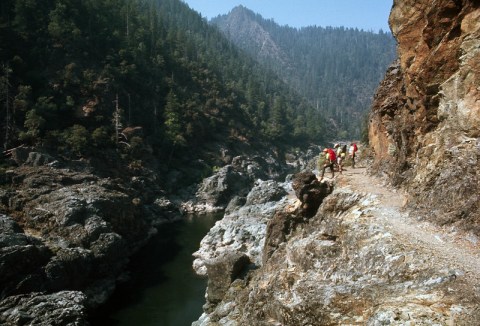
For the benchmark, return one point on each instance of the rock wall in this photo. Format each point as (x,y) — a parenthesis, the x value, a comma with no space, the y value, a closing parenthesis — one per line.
(425,121)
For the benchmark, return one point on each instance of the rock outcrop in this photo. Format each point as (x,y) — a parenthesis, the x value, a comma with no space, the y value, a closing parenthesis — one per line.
(243,229)
(61,308)
(425,122)
(249,235)
(343,266)
(67,238)
(235,180)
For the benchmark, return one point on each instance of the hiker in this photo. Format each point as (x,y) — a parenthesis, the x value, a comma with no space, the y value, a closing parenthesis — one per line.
(330,159)
(341,154)
(352,153)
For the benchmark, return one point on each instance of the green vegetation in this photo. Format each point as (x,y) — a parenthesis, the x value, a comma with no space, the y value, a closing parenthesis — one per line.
(336,69)
(74,74)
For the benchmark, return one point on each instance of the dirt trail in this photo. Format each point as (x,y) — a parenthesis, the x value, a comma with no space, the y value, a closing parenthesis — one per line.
(448,250)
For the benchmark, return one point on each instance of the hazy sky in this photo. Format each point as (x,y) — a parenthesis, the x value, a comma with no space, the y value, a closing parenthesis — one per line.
(363,14)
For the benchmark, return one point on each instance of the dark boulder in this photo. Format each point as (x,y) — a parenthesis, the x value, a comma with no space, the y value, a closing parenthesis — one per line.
(109,253)
(310,192)
(21,259)
(69,269)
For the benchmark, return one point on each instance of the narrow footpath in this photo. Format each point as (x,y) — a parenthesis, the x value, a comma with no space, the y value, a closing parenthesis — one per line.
(455,251)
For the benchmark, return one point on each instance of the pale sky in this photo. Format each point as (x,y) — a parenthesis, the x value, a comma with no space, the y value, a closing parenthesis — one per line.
(369,15)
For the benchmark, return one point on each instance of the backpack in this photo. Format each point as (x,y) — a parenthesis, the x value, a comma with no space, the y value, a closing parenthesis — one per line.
(355,148)
(332,156)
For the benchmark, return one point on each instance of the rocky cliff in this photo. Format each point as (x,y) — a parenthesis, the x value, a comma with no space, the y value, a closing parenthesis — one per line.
(425,122)
(66,238)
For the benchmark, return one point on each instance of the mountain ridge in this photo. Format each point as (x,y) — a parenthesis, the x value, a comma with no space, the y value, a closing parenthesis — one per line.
(335,69)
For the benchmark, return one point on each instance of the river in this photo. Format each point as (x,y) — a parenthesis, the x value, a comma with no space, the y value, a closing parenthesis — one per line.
(163,290)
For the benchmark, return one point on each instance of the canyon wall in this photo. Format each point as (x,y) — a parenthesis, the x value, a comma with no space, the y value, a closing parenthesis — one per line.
(425,122)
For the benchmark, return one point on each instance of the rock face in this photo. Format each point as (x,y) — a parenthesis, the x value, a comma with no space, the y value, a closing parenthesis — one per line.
(233,181)
(243,229)
(425,122)
(61,308)
(341,267)
(67,240)
(249,235)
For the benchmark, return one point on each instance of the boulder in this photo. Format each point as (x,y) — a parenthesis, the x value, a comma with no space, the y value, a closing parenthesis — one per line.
(219,189)
(21,259)
(264,192)
(235,179)
(310,191)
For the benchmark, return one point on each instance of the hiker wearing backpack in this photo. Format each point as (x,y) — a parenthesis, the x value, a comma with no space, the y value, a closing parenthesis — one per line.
(352,153)
(341,155)
(330,159)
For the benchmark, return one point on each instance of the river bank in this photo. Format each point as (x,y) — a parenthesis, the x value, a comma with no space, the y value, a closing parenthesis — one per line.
(163,289)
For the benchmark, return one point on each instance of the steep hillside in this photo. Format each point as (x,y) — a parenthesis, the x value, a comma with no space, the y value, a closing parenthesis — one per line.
(135,81)
(111,112)
(425,122)
(336,69)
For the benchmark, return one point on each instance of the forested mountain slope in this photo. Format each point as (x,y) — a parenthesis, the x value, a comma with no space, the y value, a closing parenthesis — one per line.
(336,69)
(76,74)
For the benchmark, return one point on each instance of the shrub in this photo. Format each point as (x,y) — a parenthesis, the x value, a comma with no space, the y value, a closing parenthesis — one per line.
(77,138)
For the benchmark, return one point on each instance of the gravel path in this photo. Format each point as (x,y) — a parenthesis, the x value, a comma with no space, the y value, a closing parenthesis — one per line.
(451,250)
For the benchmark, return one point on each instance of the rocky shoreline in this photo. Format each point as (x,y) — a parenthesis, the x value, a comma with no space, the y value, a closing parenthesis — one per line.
(68,233)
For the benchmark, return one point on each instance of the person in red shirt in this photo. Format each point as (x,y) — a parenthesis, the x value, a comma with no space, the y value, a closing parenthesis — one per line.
(330,159)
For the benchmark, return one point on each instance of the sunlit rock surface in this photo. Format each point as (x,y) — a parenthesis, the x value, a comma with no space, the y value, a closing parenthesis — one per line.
(425,123)
(343,267)
(243,230)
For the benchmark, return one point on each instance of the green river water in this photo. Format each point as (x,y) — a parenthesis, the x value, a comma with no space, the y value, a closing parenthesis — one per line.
(164,290)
